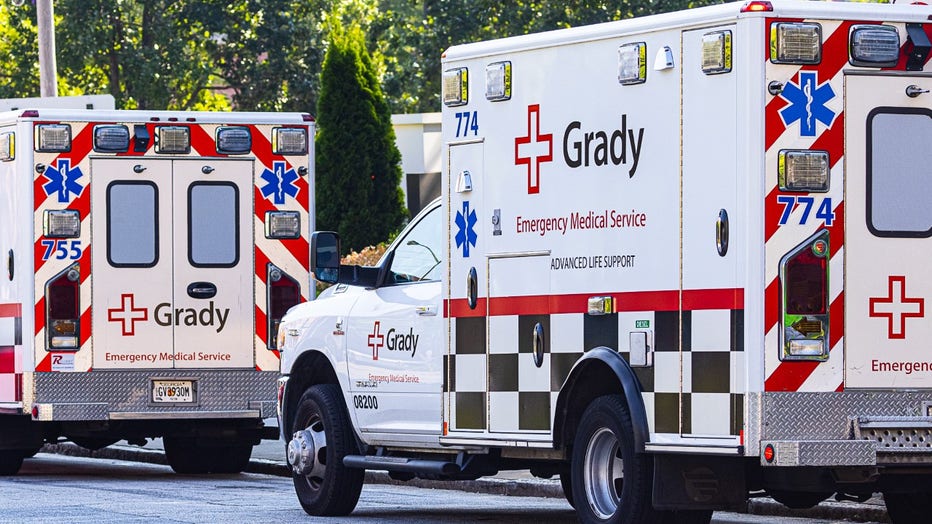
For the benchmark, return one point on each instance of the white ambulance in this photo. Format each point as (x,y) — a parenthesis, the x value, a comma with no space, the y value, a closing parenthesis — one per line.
(147,259)
(679,261)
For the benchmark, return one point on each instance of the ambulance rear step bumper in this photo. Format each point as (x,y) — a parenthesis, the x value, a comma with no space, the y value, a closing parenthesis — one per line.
(71,412)
(875,441)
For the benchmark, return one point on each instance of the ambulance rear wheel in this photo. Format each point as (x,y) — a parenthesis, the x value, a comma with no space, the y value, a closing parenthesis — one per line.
(908,508)
(185,457)
(322,436)
(10,461)
(611,481)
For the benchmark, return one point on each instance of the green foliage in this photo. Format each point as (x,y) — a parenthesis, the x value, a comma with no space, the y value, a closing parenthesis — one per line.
(358,164)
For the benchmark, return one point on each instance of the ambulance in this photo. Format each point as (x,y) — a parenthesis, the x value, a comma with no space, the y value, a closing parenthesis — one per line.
(679,261)
(147,260)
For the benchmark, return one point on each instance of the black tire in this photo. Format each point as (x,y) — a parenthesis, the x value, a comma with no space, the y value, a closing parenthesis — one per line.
(692,516)
(329,488)
(228,460)
(566,482)
(10,461)
(611,482)
(908,508)
(185,457)
(798,499)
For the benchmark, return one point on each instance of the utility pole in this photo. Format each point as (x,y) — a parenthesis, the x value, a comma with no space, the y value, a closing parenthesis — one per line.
(48,75)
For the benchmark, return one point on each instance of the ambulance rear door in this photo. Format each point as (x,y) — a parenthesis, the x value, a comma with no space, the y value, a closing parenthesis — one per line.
(888,230)
(172,265)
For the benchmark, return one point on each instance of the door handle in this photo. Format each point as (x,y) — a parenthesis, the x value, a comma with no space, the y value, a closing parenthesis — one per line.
(426,311)
(202,290)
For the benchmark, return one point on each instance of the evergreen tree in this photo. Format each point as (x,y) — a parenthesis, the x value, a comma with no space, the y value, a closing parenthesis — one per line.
(358,164)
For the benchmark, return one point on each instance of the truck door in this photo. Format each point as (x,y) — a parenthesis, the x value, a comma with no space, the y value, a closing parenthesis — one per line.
(710,358)
(888,225)
(172,263)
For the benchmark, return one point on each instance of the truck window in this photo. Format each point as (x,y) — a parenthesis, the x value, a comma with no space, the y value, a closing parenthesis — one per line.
(418,255)
(132,224)
(898,186)
(213,224)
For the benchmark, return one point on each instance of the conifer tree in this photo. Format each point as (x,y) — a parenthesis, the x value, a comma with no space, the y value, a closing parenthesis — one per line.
(358,164)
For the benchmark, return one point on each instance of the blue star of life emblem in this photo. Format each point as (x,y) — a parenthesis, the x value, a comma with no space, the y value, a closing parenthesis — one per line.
(63,180)
(807,103)
(279,182)
(465,228)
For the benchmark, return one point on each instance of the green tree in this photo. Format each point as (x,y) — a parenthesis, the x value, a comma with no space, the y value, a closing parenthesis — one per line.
(358,164)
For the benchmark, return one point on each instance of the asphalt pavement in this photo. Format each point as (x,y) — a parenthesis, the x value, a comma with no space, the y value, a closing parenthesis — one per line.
(269,458)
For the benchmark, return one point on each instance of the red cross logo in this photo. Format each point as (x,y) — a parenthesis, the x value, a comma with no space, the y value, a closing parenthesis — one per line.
(896,307)
(376,341)
(128,314)
(537,151)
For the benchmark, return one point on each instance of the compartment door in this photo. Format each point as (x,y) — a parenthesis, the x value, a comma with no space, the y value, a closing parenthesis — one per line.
(888,228)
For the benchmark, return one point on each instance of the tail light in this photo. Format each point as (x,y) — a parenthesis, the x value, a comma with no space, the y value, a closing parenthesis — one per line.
(805,300)
(283,293)
(63,309)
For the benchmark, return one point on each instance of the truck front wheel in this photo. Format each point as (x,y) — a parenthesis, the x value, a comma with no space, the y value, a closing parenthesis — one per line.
(611,481)
(321,437)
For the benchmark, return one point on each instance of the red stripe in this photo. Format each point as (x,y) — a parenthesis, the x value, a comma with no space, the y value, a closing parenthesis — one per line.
(836,321)
(85,324)
(262,263)
(45,364)
(790,376)
(298,247)
(18,387)
(7,359)
(202,143)
(261,327)
(579,303)
(11,310)
(771,305)
(40,314)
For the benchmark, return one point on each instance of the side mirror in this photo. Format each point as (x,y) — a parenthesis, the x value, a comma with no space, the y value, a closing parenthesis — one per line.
(325,256)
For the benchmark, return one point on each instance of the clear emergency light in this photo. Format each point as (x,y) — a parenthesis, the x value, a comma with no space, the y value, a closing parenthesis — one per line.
(632,63)
(111,139)
(498,81)
(282,224)
(874,45)
(61,223)
(289,141)
(172,140)
(62,309)
(795,43)
(804,274)
(7,147)
(455,87)
(803,170)
(233,140)
(53,138)
(716,52)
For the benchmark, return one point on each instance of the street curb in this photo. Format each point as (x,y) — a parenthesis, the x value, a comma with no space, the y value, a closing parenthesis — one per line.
(828,510)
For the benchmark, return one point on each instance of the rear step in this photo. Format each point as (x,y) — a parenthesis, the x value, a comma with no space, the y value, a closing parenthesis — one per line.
(422,466)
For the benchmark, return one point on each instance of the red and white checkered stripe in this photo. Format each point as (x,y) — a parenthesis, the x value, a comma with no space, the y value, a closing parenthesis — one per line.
(291,256)
(11,356)
(808,376)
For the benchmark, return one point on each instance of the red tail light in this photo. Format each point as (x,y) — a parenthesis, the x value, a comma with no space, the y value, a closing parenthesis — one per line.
(284,292)
(804,275)
(63,309)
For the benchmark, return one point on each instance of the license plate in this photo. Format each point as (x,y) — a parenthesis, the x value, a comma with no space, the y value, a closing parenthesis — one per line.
(173,391)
